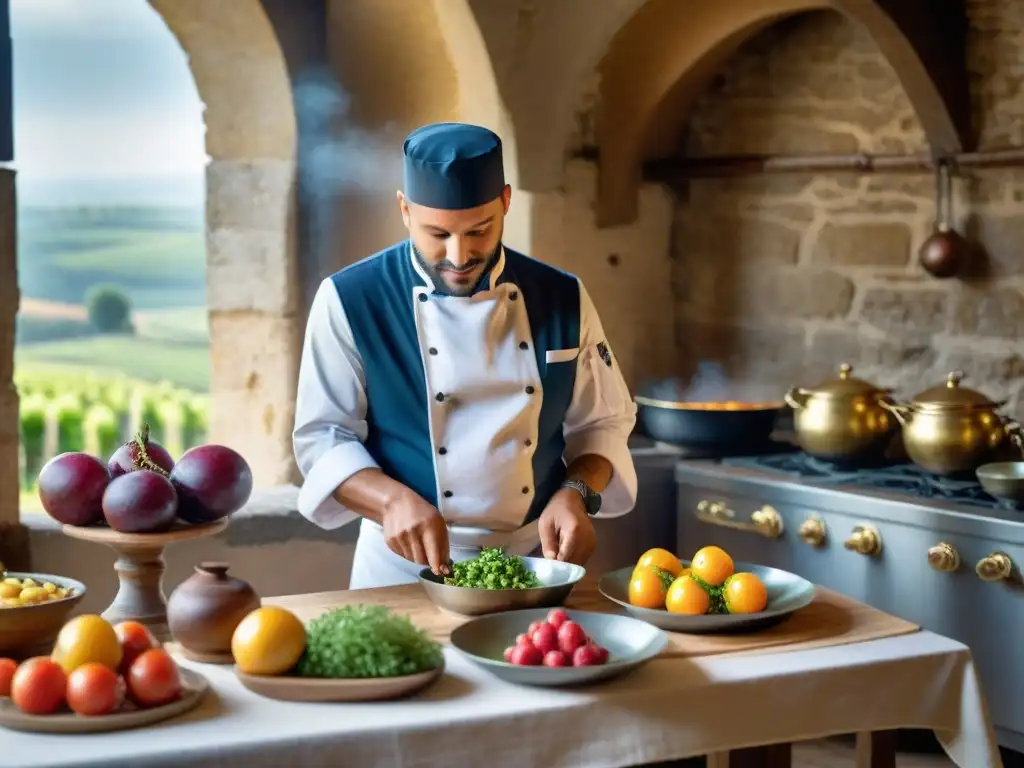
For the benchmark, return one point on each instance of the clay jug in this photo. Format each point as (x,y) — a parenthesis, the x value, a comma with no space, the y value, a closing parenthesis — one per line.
(205,609)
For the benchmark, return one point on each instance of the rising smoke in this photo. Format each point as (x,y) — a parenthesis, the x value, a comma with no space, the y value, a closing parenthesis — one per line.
(336,157)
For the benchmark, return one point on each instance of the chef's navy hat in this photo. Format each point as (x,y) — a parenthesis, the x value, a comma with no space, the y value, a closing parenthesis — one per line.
(453,166)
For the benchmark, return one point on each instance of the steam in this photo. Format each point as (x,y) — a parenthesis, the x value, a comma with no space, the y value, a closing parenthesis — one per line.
(711,384)
(336,157)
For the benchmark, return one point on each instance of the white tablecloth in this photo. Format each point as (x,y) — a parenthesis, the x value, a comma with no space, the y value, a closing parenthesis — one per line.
(665,710)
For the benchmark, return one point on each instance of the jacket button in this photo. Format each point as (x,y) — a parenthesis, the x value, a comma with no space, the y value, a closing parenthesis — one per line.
(528,442)
(529,390)
(526,489)
(439,397)
(523,345)
(442,450)
(514,295)
(423,297)
(448,494)
(432,350)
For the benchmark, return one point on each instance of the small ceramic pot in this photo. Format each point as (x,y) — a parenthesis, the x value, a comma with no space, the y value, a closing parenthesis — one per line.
(205,609)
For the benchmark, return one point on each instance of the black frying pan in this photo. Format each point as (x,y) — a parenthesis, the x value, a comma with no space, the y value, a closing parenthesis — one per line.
(714,427)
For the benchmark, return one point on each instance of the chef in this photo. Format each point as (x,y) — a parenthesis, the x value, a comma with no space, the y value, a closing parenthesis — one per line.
(455,394)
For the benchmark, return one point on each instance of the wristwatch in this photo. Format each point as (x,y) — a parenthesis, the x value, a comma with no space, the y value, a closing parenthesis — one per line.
(591,498)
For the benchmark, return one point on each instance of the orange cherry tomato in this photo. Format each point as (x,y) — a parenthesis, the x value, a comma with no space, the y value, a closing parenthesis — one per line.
(686,596)
(7,669)
(745,593)
(648,587)
(135,639)
(154,679)
(660,558)
(38,686)
(712,565)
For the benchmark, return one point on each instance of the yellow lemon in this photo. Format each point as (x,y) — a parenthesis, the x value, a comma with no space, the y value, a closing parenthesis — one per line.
(86,639)
(268,641)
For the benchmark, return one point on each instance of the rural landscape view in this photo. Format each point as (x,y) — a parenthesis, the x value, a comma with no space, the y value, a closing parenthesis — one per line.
(112,324)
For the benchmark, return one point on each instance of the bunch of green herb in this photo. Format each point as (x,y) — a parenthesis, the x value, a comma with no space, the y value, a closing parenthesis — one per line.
(492,569)
(717,595)
(360,641)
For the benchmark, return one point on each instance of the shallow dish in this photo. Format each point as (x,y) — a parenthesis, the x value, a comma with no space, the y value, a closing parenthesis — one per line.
(557,580)
(787,593)
(318,689)
(195,688)
(29,628)
(630,643)
(1004,481)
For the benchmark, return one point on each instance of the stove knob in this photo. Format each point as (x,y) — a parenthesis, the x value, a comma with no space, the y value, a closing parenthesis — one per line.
(996,567)
(944,557)
(865,540)
(812,531)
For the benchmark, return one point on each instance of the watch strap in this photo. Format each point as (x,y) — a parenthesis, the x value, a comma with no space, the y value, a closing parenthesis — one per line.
(591,498)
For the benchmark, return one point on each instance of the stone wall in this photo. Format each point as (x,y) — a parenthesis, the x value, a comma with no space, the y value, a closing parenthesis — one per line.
(8,395)
(782,277)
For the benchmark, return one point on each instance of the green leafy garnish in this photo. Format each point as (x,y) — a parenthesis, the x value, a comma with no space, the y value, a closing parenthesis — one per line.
(492,569)
(717,595)
(360,641)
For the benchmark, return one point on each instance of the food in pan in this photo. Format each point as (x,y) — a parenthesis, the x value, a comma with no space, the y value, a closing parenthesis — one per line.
(142,489)
(555,642)
(492,569)
(709,585)
(728,405)
(95,669)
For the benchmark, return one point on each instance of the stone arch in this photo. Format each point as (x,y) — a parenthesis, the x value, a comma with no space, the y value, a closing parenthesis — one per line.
(660,61)
(252,275)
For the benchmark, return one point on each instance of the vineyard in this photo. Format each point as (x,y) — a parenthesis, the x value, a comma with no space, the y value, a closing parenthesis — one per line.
(96,414)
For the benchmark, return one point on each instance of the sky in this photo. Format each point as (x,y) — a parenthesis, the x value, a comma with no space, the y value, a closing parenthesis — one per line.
(105,106)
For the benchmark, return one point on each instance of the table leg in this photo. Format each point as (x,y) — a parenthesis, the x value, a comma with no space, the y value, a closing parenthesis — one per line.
(773,756)
(876,749)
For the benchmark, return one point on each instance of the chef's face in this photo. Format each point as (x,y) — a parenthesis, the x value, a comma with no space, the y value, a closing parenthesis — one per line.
(456,247)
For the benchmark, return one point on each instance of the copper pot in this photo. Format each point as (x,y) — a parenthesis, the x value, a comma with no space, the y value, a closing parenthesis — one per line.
(843,420)
(952,430)
(205,609)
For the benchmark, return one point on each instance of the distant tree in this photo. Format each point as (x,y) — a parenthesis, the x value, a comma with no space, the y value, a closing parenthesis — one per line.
(110,310)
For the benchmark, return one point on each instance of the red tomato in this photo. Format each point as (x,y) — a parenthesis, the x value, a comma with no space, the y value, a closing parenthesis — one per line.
(38,686)
(135,639)
(94,689)
(7,669)
(154,679)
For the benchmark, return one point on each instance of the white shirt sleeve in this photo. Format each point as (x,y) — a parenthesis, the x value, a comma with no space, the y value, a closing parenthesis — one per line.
(602,413)
(330,411)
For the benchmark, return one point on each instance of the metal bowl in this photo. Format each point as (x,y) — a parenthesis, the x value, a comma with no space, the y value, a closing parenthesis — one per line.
(30,628)
(557,580)
(630,643)
(1004,481)
(787,593)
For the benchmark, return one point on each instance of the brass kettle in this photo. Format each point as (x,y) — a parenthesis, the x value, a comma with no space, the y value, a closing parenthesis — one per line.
(843,420)
(952,430)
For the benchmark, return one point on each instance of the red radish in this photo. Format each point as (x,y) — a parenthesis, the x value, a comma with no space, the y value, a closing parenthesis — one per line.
(557,618)
(71,488)
(521,639)
(140,453)
(508,653)
(533,626)
(586,656)
(602,653)
(555,659)
(571,636)
(526,656)
(545,638)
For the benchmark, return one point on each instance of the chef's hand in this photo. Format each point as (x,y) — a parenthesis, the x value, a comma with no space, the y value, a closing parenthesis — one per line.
(415,530)
(566,531)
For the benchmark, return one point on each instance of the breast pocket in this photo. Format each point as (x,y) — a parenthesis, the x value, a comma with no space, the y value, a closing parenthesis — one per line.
(559,377)
(561,355)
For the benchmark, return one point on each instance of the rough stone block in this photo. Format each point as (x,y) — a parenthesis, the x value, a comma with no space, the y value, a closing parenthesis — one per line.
(755,361)
(1001,238)
(995,313)
(887,362)
(260,429)
(706,237)
(864,243)
(906,311)
(251,270)
(255,353)
(250,195)
(1000,375)
(8,250)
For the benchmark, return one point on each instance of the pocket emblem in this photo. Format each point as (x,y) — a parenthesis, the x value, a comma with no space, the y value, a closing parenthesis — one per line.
(605,353)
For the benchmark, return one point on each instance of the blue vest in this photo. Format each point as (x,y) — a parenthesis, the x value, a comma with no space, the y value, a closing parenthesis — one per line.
(377,294)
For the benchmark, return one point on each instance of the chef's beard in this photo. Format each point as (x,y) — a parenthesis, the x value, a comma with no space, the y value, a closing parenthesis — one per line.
(433,271)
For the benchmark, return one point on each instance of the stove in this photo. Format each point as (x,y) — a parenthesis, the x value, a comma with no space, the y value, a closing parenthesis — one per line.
(905,479)
(937,551)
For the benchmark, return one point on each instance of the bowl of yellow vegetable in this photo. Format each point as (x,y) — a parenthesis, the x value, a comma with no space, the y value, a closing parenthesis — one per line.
(33,608)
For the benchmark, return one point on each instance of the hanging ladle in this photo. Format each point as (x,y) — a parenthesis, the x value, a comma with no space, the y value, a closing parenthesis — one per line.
(946,252)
